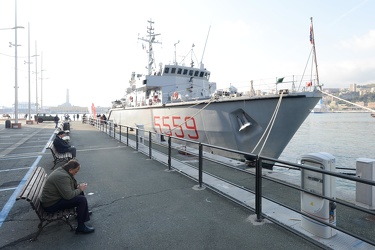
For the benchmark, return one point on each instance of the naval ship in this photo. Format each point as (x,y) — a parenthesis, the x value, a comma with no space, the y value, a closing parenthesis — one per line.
(180,101)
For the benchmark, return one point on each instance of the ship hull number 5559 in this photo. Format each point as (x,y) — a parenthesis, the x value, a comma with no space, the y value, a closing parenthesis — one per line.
(178,126)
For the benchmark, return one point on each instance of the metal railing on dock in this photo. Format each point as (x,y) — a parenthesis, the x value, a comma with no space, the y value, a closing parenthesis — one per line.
(252,180)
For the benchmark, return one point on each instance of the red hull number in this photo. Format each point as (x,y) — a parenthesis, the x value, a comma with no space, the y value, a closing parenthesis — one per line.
(178,126)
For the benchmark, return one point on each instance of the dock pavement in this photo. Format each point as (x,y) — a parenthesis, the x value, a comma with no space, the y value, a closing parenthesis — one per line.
(136,202)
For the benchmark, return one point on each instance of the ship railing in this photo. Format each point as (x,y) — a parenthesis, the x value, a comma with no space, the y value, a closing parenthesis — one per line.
(251,177)
(271,86)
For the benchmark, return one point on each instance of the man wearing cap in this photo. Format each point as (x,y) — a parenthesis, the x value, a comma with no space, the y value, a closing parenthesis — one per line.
(62,146)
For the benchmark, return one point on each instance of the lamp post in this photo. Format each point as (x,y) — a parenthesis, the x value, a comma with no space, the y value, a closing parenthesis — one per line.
(41,80)
(15,64)
(28,66)
(36,79)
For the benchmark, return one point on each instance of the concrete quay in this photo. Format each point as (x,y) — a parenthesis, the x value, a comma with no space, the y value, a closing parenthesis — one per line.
(136,202)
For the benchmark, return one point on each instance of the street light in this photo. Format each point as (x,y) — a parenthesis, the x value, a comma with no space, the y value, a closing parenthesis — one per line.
(28,66)
(41,80)
(15,62)
(36,79)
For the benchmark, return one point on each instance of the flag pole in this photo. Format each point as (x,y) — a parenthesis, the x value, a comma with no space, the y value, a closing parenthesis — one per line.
(312,40)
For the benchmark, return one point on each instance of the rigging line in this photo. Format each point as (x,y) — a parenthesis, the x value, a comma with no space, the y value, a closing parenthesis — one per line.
(273,115)
(269,131)
(304,71)
(371,110)
(209,102)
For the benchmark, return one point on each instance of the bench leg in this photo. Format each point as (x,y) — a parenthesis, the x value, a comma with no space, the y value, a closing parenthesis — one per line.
(57,160)
(40,226)
(54,164)
(66,220)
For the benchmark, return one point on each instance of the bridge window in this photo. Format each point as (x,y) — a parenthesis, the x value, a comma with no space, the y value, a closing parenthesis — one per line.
(191,72)
(201,74)
(196,73)
(185,71)
(173,71)
(179,71)
(166,70)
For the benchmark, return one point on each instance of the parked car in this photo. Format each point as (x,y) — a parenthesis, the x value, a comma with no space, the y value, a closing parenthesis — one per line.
(43,118)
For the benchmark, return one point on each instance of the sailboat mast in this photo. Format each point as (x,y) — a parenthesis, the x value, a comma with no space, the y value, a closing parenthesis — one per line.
(312,40)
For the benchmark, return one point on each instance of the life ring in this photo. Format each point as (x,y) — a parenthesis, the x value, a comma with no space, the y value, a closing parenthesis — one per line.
(175,95)
(131,99)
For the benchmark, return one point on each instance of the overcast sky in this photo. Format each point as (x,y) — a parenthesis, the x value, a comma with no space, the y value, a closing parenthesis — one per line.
(91,46)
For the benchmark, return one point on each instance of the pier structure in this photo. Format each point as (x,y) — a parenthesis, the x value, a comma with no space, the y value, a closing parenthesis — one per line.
(137,202)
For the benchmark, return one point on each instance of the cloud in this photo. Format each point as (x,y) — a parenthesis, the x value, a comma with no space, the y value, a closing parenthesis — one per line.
(365,42)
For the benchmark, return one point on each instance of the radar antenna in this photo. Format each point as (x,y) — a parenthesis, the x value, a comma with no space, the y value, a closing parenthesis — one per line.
(150,39)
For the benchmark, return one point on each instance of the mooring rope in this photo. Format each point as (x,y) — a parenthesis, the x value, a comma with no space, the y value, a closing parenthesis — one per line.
(352,103)
(269,127)
(209,102)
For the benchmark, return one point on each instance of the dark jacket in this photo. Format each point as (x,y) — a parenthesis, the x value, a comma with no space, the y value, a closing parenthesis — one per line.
(60,184)
(56,118)
(61,145)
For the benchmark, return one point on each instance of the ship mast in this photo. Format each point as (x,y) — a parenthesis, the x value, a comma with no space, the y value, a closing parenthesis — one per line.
(150,39)
(312,40)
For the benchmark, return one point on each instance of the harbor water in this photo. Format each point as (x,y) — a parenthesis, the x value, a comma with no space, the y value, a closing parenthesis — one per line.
(346,136)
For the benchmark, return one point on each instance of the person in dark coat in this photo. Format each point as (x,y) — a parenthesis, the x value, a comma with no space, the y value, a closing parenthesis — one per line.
(62,146)
(56,120)
(61,191)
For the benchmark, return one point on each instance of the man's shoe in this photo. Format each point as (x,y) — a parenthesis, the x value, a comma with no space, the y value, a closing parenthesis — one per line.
(85,230)
(90,212)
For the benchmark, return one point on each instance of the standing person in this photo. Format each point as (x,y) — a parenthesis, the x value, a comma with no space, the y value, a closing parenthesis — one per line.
(74,117)
(62,146)
(56,119)
(61,191)
(77,117)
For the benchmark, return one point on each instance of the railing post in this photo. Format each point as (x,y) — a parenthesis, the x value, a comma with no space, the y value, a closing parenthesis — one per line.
(136,138)
(120,133)
(200,174)
(169,152)
(114,130)
(149,144)
(258,189)
(127,136)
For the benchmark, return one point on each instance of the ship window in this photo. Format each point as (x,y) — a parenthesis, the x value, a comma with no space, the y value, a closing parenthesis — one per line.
(201,74)
(196,73)
(166,70)
(179,71)
(185,71)
(191,72)
(173,71)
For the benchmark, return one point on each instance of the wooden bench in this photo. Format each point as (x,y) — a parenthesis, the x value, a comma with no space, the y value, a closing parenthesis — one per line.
(58,157)
(32,191)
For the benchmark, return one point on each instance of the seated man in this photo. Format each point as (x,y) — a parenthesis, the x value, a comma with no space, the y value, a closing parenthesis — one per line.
(63,146)
(61,191)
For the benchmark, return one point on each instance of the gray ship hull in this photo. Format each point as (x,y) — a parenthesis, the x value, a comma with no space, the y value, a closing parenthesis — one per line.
(219,122)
